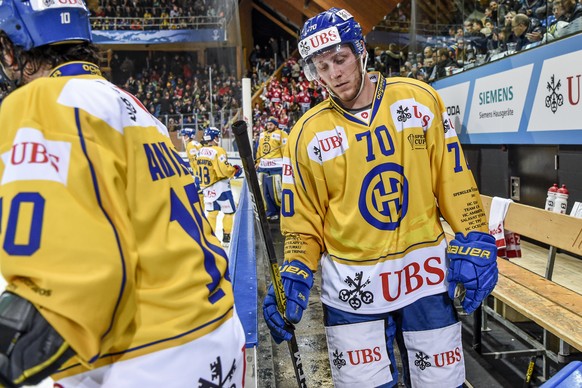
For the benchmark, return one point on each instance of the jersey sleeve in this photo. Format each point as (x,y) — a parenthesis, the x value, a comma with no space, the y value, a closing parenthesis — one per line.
(223,168)
(303,205)
(452,180)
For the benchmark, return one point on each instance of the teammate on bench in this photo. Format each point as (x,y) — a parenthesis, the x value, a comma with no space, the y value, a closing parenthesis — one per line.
(272,142)
(366,175)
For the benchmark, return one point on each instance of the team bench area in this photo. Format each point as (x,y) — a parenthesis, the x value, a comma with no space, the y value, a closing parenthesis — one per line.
(523,297)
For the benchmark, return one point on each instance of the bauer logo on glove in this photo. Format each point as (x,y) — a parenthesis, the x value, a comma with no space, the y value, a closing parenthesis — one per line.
(297,281)
(473,265)
(470,251)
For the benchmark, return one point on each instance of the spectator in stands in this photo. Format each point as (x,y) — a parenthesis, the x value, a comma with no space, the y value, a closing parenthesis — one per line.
(443,62)
(528,7)
(553,31)
(519,27)
(393,59)
(379,64)
(507,26)
(572,8)
(494,12)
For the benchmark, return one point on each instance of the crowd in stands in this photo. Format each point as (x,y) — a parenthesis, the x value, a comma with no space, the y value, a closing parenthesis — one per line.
(503,26)
(158,14)
(178,91)
(175,89)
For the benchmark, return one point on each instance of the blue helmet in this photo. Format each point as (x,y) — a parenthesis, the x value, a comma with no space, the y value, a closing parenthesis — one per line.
(187,132)
(211,133)
(34,23)
(327,30)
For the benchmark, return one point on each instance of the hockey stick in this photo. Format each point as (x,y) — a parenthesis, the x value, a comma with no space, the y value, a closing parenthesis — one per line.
(244,148)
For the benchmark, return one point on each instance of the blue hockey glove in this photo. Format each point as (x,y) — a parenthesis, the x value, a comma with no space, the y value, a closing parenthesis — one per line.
(297,282)
(237,170)
(473,264)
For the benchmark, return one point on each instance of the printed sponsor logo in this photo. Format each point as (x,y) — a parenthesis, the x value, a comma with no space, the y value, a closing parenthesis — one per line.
(410,114)
(422,361)
(383,198)
(417,142)
(32,157)
(269,163)
(206,151)
(554,100)
(345,15)
(217,377)
(469,251)
(288,177)
(412,277)
(448,126)
(453,110)
(319,41)
(338,359)
(447,358)
(39,5)
(364,356)
(356,294)
(327,145)
(450,357)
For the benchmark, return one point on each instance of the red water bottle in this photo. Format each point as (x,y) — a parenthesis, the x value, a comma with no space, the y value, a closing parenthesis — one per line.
(561,202)
(551,199)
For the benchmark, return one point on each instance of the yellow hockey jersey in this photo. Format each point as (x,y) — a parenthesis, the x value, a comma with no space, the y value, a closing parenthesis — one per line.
(364,193)
(101,224)
(192,149)
(270,148)
(213,165)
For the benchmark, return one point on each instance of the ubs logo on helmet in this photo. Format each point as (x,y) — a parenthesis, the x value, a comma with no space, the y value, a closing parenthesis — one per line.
(383,198)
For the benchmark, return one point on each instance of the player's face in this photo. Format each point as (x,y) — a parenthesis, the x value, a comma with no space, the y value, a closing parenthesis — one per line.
(270,127)
(340,71)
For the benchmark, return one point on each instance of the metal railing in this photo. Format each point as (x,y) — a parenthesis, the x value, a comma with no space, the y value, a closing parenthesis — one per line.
(157,23)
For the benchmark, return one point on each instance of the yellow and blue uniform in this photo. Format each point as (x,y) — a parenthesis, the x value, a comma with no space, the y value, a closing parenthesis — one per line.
(101,223)
(270,149)
(215,172)
(362,195)
(401,163)
(192,149)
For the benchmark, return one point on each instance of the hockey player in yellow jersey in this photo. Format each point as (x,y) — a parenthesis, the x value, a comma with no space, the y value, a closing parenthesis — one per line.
(215,172)
(270,149)
(192,147)
(366,175)
(114,278)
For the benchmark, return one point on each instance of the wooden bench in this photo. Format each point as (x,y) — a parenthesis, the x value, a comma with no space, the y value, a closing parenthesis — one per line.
(555,308)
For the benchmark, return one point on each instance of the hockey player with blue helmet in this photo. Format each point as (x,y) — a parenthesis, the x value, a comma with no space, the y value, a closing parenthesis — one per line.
(114,278)
(367,173)
(215,173)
